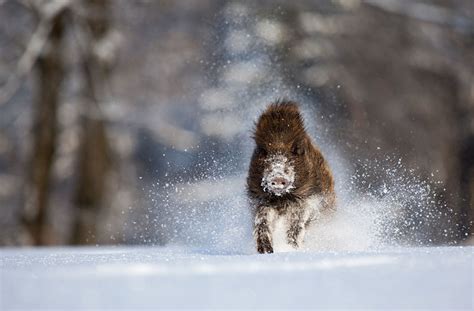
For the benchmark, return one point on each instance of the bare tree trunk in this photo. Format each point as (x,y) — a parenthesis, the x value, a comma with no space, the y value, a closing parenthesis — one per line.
(50,71)
(94,152)
(466,215)
(91,184)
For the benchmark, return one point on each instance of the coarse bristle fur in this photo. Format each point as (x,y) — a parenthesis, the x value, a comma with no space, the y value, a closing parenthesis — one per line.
(282,120)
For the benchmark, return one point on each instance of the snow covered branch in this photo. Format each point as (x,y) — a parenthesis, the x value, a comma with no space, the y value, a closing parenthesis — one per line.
(47,12)
(430,13)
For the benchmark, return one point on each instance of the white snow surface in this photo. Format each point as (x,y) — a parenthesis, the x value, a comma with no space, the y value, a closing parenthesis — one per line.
(182,277)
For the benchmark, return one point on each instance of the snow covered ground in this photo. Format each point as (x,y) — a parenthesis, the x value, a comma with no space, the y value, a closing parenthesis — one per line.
(177,277)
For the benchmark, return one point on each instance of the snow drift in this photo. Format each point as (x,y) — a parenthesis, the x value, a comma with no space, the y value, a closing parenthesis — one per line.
(132,278)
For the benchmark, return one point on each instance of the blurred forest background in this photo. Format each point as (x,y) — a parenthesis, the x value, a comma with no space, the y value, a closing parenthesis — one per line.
(105,104)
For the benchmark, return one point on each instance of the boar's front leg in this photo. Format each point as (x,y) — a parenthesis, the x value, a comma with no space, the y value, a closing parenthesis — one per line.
(298,220)
(262,229)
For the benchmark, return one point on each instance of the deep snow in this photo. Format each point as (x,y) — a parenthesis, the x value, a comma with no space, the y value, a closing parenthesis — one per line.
(153,277)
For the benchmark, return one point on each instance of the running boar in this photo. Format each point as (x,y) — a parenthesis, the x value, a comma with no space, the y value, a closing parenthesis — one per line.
(288,177)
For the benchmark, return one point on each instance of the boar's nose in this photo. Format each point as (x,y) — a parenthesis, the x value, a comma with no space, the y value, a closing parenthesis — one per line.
(279,182)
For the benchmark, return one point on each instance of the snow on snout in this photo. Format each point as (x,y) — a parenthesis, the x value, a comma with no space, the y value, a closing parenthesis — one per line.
(278,176)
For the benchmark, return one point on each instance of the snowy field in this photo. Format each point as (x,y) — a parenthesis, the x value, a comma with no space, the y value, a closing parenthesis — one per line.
(174,277)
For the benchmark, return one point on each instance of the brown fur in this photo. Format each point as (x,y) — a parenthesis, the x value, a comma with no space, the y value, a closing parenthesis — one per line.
(280,130)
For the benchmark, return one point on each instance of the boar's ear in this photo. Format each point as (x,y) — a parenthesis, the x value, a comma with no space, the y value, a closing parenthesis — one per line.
(299,147)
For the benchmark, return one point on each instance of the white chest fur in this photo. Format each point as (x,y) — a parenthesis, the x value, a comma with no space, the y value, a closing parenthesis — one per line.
(281,223)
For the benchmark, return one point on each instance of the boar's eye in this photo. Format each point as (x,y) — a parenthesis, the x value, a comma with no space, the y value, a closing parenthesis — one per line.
(297,149)
(261,151)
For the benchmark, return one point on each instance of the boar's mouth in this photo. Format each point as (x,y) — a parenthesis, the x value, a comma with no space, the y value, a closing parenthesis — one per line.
(278,176)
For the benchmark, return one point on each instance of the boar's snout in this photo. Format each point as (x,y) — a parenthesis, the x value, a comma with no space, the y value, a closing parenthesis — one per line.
(279,185)
(279,176)
(279,182)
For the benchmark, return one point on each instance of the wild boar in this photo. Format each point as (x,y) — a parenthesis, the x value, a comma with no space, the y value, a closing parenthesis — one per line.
(288,177)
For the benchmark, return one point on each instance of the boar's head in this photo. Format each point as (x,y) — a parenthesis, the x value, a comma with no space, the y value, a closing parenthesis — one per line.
(280,166)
